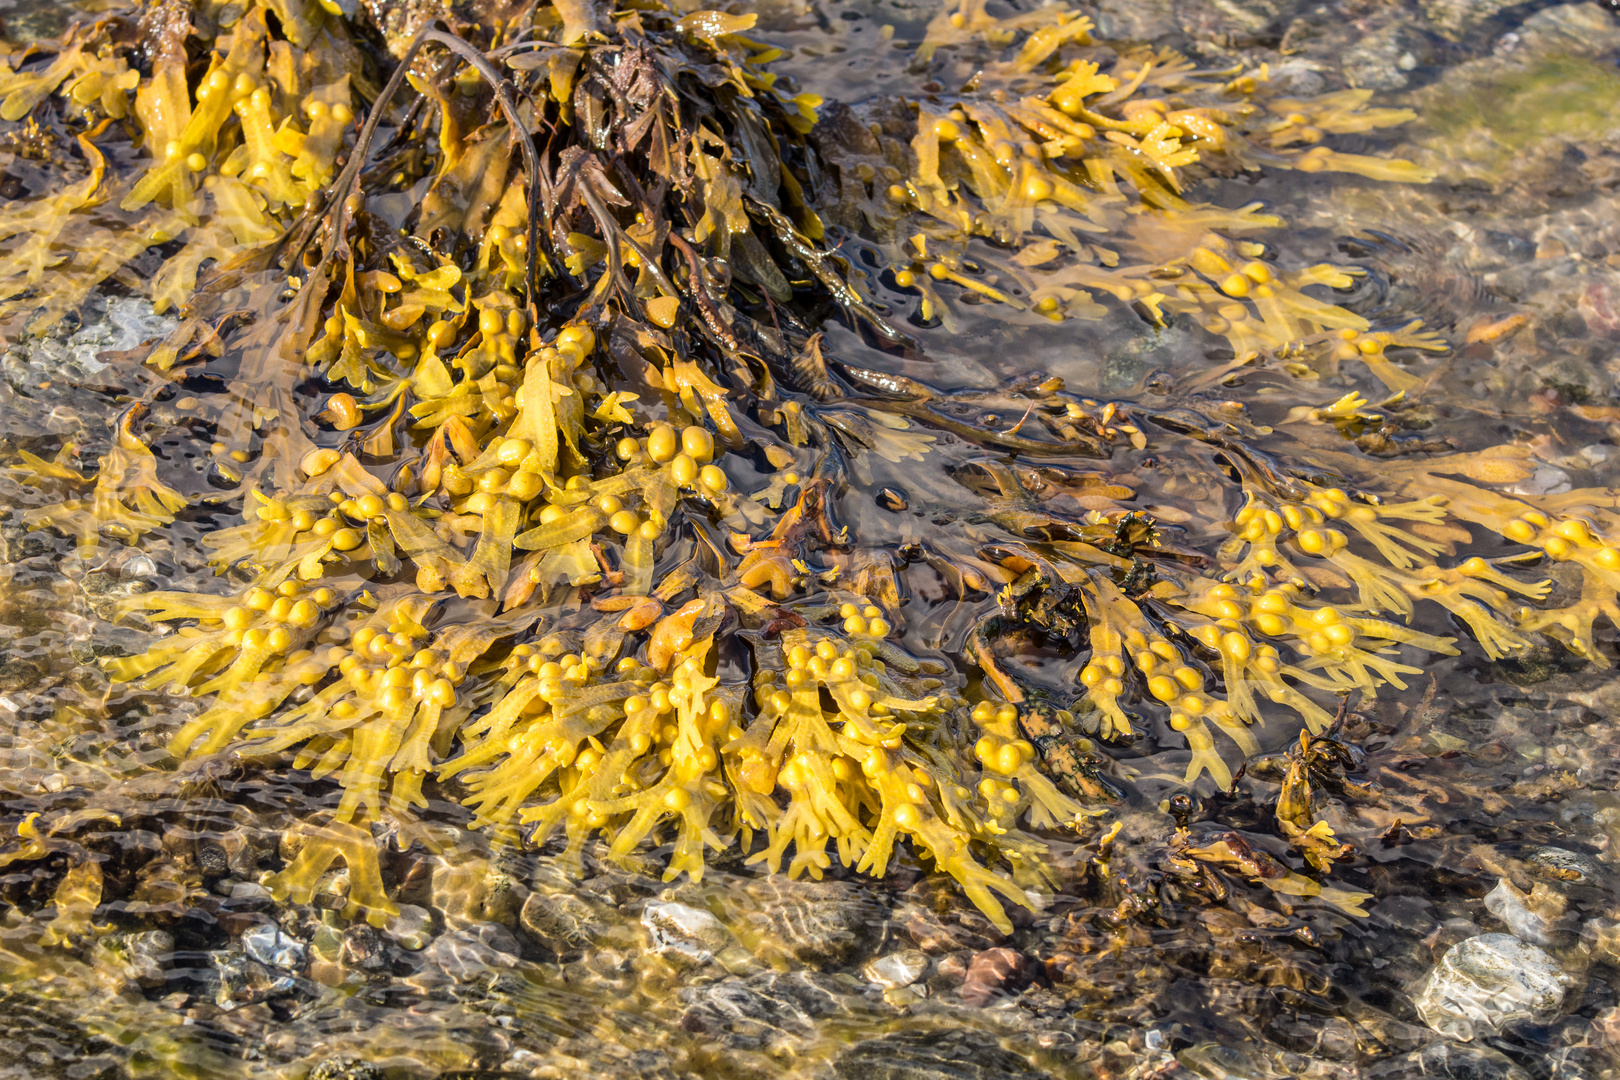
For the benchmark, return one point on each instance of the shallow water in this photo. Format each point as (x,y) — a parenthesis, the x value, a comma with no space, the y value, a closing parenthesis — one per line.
(503,963)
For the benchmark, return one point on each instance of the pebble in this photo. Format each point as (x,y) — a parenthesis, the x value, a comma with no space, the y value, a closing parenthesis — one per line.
(473,954)
(684,934)
(1447,1061)
(1546,480)
(898,969)
(738,961)
(904,997)
(1507,904)
(992,973)
(931,1055)
(1564,865)
(269,945)
(243,981)
(820,924)
(412,928)
(248,890)
(1487,981)
(149,955)
(344,1067)
(561,922)
(364,949)
(766,1010)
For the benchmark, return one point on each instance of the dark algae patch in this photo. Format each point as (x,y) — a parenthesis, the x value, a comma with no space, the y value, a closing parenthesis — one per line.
(535,546)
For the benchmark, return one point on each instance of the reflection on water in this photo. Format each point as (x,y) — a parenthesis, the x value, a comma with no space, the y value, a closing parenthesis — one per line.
(1468,815)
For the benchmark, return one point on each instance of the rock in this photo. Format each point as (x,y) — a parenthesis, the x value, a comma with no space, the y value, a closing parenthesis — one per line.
(897,969)
(1220,1062)
(110,326)
(1136,20)
(412,928)
(326,956)
(212,858)
(1453,16)
(1562,864)
(476,953)
(772,1012)
(738,961)
(1606,1026)
(1487,981)
(243,981)
(269,945)
(1571,29)
(20,673)
(473,890)
(562,922)
(1381,59)
(1447,1061)
(365,949)
(147,956)
(821,924)
(684,934)
(994,972)
(1546,480)
(343,1067)
(1575,378)
(932,1055)
(934,933)
(1599,308)
(45,1040)
(1529,916)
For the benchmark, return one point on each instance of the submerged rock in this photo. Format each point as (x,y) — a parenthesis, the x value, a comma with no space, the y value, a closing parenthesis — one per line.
(269,945)
(343,1067)
(562,922)
(411,929)
(822,924)
(474,954)
(769,1012)
(993,973)
(149,955)
(898,969)
(1447,1061)
(1487,981)
(244,981)
(932,1055)
(684,934)
(1529,916)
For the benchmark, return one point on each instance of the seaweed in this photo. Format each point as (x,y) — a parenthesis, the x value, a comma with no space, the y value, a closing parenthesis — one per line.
(506,359)
(1078,155)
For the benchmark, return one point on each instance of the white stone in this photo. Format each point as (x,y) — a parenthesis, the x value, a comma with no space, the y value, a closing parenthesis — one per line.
(684,933)
(1507,904)
(267,944)
(1487,981)
(897,969)
(411,929)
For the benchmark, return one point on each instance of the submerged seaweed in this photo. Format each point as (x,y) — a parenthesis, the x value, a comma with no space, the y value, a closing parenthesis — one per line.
(501,360)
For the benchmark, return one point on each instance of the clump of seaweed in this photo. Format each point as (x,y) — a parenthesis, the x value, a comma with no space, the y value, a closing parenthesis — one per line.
(1078,155)
(232,152)
(558,305)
